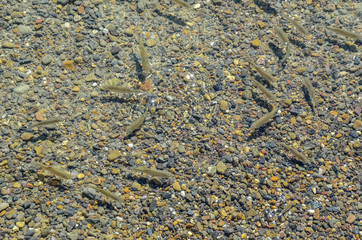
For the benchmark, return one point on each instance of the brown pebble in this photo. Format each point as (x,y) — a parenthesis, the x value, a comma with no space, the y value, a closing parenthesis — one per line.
(351,218)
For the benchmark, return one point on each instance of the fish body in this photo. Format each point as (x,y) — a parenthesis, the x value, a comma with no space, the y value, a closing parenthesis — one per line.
(344,32)
(263,89)
(299,26)
(154,172)
(119,89)
(263,119)
(55,170)
(296,153)
(136,124)
(282,34)
(311,92)
(144,58)
(182,3)
(264,73)
(107,193)
(287,208)
(47,122)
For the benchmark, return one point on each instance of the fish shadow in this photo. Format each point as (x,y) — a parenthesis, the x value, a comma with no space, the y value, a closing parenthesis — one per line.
(343,44)
(140,74)
(266,7)
(115,99)
(307,97)
(174,19)
(261,131)
(278,51)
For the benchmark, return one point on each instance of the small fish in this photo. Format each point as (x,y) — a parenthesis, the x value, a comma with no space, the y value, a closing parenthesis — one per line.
(182,3)
(287,208)
(263,73)
(47,122)
(297,154)
(136,124)
(287,54)
(282,34)
(263,119)
(285,39)
(344,32)
(106,193)
(144,57)
(154,172)
(296,24)
(310,89)
(56,171)
(119,89)
(263,89)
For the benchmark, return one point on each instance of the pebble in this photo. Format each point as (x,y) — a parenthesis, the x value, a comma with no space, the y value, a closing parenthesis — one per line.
(221,167)
(27,136)
(22,89)
(114,154)
(80,175)
(255,43)
(223,105)
(4,206)
(20,224)
(176,186)
(351,218)
(24,29)
(46,59)
(7,44)
(247,94)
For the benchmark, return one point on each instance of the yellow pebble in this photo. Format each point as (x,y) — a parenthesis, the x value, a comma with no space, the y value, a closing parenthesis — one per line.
(80,176)
(261,24)
(255,43)
(76,89)
(274,178)
(16,185)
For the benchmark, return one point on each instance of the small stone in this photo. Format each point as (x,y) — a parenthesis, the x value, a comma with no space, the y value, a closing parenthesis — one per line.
(261,24)
(247,94)
(46,59)
(80,175)
(207,97)
(128,32)
(115,50)
(287,102)
(20,224)
(24,29)
(115,170)
(75,89)
(221,167)
(150,42)
(255,43)
(351,218)
(114,154)
(292,135)
(301,70)
(176,186)
(252,213)
(27,136)
(22,89)
(4,206)
(8,44)
(223,105)
(16,185)
(69,65)
(357,124)
(94,94)
(274,178)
